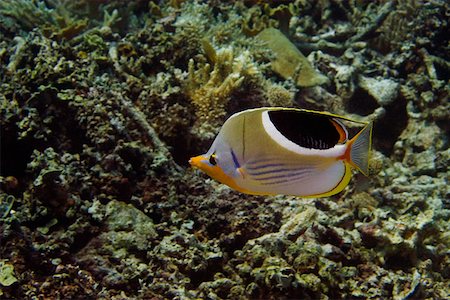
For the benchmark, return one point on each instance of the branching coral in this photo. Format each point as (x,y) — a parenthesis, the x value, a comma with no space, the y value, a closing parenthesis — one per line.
(28,13)
(398,25)
(364,20)
(255,21)
(210,90)
(57,21)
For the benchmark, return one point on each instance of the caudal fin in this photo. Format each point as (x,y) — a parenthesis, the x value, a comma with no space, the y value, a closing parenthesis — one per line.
(360,149)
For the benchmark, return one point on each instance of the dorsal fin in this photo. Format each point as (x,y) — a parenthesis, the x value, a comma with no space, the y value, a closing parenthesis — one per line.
(307,129)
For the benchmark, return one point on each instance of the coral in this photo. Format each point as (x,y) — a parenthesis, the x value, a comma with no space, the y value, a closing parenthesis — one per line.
(97,124)
(344,79)
(278,95)
(7,277)
(255,21)
(363,20)
(58,21)
(210,90)
(128,228)
(383,90)
(29,13)
(6,204)
(288,61)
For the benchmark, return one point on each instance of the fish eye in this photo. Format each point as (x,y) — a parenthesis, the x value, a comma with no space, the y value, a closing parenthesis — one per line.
(212,160)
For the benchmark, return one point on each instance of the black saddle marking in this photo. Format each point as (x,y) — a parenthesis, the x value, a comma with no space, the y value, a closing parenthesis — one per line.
(306,129)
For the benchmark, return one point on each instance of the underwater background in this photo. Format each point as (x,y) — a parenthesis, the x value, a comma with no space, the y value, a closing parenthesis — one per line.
(103,102)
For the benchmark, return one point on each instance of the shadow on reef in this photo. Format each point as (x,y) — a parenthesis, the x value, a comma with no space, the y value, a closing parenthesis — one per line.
(46,114)
(14,153)
(361,103)
(389,127)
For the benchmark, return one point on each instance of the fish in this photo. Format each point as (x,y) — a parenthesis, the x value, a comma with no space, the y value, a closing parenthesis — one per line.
(286,151)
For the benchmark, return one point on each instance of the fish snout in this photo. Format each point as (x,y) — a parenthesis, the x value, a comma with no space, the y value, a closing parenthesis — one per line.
(196,161)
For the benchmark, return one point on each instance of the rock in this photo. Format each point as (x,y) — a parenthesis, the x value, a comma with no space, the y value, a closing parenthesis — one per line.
(383,90)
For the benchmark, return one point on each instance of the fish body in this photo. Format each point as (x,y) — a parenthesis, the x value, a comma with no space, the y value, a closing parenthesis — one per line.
(270,151)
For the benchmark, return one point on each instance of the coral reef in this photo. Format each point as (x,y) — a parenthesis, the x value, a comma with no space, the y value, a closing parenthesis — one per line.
(6,274)
(103,102)
(210,90)
(56,19)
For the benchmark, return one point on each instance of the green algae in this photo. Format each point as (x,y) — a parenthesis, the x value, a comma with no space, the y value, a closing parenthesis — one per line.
(289,62)
(7,277)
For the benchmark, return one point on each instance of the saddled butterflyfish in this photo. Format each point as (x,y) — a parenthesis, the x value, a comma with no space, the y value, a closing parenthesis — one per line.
(269,151)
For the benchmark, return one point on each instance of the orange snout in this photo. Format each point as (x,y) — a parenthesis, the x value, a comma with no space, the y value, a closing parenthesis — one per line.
(201,162)
(197,161)
(216,172)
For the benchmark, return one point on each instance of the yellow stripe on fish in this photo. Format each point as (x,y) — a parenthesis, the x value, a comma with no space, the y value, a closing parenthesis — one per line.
(273,150)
